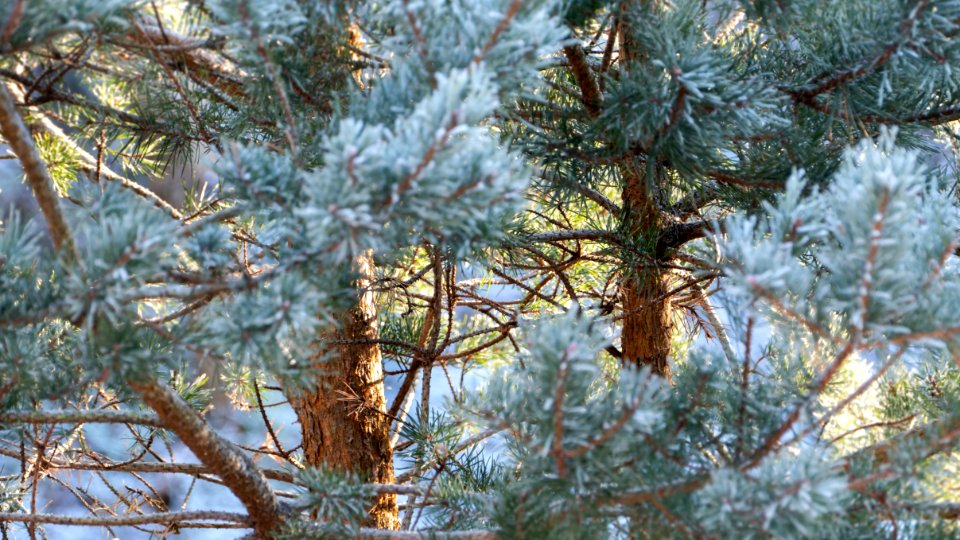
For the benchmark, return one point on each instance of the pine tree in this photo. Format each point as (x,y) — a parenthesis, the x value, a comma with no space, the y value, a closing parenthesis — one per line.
(666,117)
(382,167)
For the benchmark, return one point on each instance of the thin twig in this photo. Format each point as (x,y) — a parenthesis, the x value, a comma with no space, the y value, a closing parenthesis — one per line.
(160,517)
(73,417)
(559,454)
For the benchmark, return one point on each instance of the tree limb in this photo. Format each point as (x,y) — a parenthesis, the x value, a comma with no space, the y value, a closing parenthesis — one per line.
(579,234)
(57,417)
(236,469)
(589,89)
(679,234)
(381,534)
(21,141)
(177,518)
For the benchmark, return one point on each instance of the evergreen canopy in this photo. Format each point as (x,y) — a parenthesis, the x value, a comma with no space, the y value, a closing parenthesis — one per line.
(684,268)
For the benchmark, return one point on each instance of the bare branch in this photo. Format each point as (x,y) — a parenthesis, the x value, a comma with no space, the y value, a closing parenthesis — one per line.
(382,534)
(20,139)
(178,518)
(237,470)
(79,417)
(580,68)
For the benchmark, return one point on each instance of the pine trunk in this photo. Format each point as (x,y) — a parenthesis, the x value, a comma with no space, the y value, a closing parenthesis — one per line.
(343,418)
(645,337)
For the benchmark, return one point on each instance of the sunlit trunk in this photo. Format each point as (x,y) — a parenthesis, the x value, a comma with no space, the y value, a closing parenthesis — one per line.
(645,336)
(343,417)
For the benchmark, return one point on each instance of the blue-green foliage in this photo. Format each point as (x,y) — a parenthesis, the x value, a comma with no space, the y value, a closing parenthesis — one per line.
(685,99)
(434,174)
(334,153)
(338,500)
(794,495)
(853,269)
(46,19)
(882,234)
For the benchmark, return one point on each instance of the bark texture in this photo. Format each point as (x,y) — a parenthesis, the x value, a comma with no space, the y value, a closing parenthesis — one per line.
(38,177)
(646,324)
(236,469)
(343,416)
(645,337)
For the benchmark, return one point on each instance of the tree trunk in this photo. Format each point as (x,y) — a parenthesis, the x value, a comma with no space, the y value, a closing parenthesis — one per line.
(645,338)
(343,417)
(647,322)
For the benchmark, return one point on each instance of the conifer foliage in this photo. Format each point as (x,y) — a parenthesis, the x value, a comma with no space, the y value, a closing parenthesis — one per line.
(701,257)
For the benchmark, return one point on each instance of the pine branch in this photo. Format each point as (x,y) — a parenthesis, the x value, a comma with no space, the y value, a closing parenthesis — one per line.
(173,518)
(828,81)
(188,103)
(501,26)
(80,417)
(607,433)
(45,93)
(557,450)
(469,442)
(381,534)
(940,435)
(581,234)
(237,471)
(274,76)
(420,41)
(90,164)
(879,372)
(580,69)
(188,55)
(933,117)
(866,282)
(38,178)
(772,441)
(659,493)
